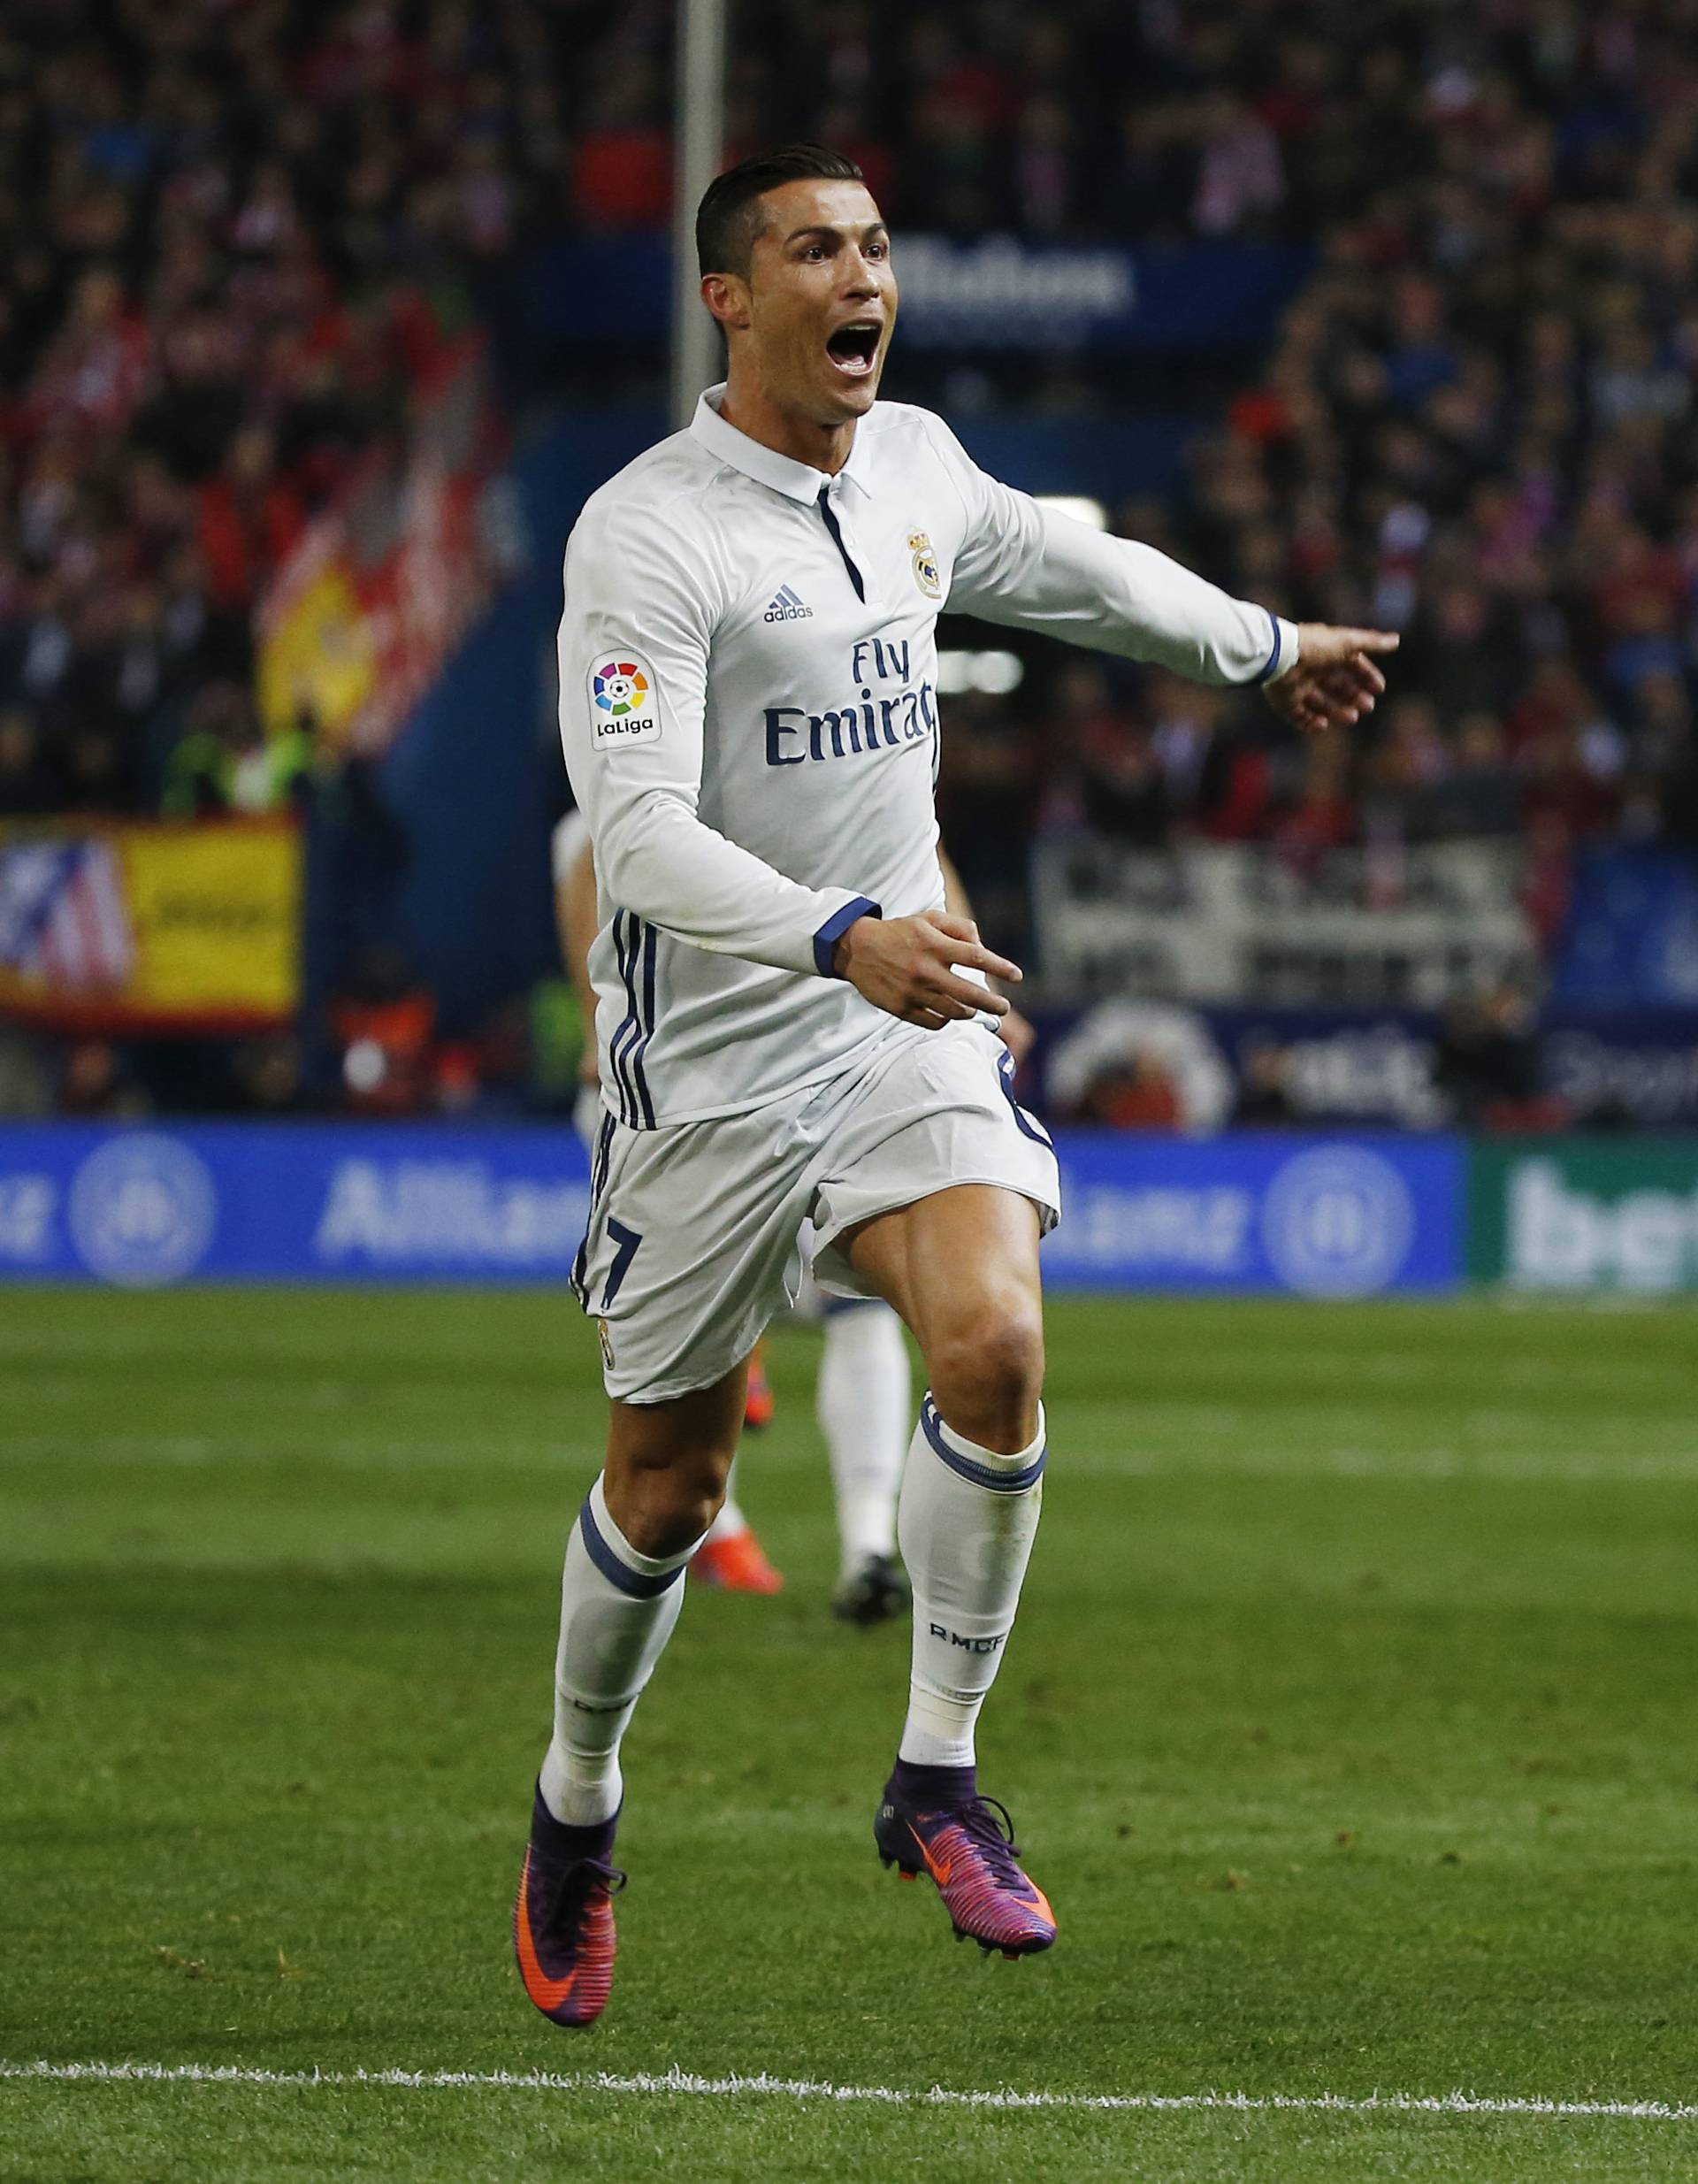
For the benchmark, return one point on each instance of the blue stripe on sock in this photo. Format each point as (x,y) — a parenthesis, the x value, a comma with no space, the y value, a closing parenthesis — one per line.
(979,1474)
(618,1573)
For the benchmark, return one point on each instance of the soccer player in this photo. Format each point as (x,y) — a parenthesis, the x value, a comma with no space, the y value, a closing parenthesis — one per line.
(863,1399)
(791,1027)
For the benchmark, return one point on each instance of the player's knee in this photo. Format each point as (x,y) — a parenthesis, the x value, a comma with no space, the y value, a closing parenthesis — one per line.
(987,1371)
(670,1501)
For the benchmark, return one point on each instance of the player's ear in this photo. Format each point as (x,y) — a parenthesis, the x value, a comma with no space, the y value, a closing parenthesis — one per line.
(728,298)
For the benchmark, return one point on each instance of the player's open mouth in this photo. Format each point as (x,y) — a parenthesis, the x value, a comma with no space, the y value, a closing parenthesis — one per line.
(854,349)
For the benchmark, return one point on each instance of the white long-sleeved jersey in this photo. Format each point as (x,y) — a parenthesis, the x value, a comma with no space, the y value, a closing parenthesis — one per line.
(748,705)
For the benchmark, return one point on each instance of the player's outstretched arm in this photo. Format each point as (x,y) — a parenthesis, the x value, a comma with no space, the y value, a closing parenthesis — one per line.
(1039,569)
(909,966)
(1335,682)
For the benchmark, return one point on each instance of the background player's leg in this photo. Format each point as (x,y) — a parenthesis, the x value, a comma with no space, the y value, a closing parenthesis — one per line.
(622,1587)
(730,1521)
(961,1268)
(730,1555)
(865,1405)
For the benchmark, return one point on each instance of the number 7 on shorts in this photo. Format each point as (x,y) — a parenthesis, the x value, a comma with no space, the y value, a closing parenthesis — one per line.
(627,1241)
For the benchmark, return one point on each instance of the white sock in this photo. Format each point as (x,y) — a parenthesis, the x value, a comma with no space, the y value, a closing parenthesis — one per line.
(967,1520)
(730,1520)
(617,1609)
(863,1403)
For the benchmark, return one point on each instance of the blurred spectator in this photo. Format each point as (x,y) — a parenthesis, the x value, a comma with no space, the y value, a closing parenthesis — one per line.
(1479,796)
(989,767)
(1141,1065)
(1138,1094)
(26,1078)
(1322,818)
(622,163)
(384,1023)
(1264,1100)
(96,1085)
(224,762)
(268,1074)
(1681,792)
(1489,1065)
(1125,791)
(30,784)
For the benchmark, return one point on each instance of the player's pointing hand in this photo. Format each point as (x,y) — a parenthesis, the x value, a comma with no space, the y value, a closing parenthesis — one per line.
(1335,683)
(908,966)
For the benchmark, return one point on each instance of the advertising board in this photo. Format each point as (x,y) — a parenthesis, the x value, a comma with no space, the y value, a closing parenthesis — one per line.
(1579,1216)
(142,1207)
(1333,1217)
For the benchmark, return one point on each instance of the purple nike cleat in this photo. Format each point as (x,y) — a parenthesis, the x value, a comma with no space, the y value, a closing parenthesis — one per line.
(933,1820)
(562,1922)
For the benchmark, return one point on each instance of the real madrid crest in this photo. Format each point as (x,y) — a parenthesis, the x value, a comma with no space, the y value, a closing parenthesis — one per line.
(925,564)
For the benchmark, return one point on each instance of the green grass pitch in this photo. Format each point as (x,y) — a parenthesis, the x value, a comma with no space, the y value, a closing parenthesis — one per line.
(1349,1724)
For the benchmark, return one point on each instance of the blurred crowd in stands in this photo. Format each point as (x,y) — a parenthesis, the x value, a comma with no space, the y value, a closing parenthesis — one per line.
(1478,427)
(234,233)
(233,239)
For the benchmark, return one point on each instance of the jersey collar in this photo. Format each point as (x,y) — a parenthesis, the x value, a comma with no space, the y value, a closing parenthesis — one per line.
(797,481)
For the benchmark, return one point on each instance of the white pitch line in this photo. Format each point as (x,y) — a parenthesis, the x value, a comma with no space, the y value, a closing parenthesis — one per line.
(823,2089)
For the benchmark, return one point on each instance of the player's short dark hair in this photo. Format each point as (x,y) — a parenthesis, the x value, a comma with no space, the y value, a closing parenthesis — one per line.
(727,222)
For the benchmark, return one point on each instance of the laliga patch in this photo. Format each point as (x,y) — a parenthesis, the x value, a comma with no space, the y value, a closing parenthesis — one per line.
(624,701)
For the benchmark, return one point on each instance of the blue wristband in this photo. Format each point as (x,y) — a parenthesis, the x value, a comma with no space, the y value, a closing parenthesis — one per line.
(826,939)
(1273,667)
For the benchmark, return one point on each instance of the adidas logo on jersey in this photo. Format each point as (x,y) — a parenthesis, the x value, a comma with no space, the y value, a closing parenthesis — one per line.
(788,608)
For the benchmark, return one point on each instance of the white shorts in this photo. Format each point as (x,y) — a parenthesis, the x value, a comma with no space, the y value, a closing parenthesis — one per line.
(694,1237)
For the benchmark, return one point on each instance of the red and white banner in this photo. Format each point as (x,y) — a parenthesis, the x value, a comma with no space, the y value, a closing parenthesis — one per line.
(365,612)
